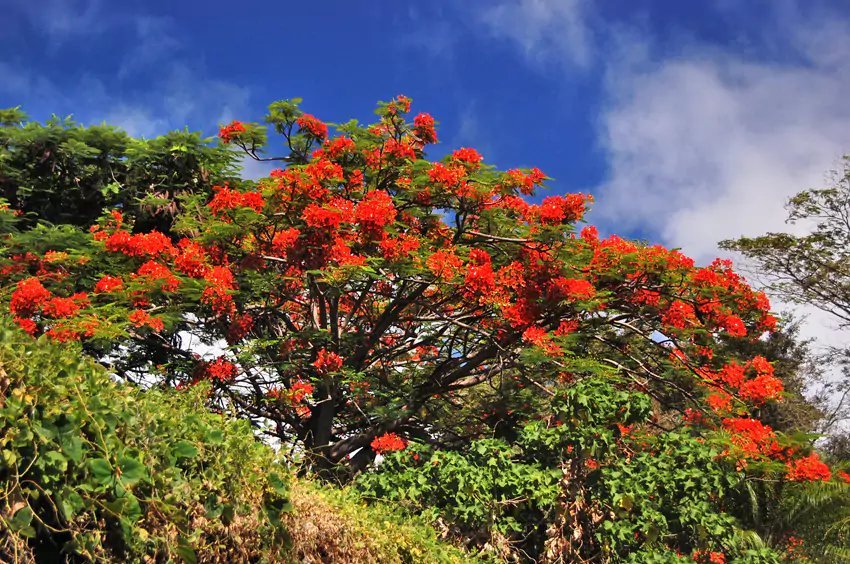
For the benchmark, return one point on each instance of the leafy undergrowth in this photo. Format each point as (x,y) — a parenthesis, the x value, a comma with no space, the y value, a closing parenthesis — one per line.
(91,469)
(335,525)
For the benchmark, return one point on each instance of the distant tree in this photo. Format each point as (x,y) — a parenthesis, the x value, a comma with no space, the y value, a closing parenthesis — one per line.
(809,269)
(812,269)
(63,173)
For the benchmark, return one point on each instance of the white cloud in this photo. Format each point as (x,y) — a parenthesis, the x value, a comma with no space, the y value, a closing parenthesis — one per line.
(136,121)
(544,29)
(702,149)
(254,170)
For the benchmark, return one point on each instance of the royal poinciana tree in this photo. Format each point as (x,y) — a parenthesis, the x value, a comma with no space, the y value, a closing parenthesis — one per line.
(364,296)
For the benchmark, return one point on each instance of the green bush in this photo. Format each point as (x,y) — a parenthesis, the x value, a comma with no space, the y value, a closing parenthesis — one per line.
(94,468)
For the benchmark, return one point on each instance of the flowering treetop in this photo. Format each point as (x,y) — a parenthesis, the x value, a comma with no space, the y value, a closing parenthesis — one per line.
(365,294)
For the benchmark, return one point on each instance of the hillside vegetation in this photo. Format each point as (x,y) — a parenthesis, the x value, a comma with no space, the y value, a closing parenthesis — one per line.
(92,469)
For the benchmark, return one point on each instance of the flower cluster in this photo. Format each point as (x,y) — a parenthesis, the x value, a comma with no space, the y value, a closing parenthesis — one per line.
(388,442)
(28,297)
(218,370)
(313,126)
(231,131)
(424,128)
(808,469)
(327,362)
(141,318)
(108,284)
(225,199)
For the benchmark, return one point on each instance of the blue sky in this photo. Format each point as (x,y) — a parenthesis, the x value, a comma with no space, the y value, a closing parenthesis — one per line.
(690,121)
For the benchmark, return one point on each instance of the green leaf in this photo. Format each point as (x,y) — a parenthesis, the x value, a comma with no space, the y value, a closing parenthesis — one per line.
(185,449)
(185,551)
(73,447)
(132,471)
(22,519)
(101,470)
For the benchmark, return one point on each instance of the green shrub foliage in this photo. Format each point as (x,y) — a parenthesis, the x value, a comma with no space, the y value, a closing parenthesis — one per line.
(101,470)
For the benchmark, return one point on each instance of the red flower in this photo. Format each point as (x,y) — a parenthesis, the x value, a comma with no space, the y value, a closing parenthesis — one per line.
(397,248)
(480,279)
(808,469)
(59,308)
(556,210)
(28,325)
(240,327)
(719,401)
(761,389)
(706,557)
(752,436)
(300,390)
(467,156)
(448,176)
(141,318)
(330,216)
(191,260)
(219,370)
(155,272)
(539,337)
(230,131)
(572,288)
(313,126)
(734,326)
(108,284)
(444,264)
(219,299)
(228,199)
(388,442)
(525,182)
(28,297)
(327,362)
(679,314)
(590,234)
(423,128)
(63,334)
(375,211)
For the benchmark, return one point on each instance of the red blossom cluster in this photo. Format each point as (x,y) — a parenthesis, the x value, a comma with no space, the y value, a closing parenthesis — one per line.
(808,469)
(424,128)
(295,397)
(158,275)
(526,183)
(108,284)
(219,370)
(327,362)
(556,210)
(29,296)
(374,212)
(231,131)
(312,125)
(708,557)
(150,245)
(388,442)
(753,437)
(225,199)
(141,318)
